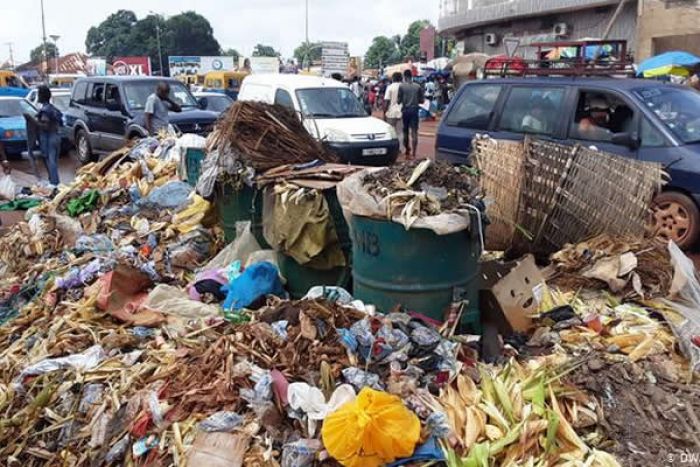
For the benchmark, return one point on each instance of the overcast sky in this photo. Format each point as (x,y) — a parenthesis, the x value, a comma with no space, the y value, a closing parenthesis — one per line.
(237,23)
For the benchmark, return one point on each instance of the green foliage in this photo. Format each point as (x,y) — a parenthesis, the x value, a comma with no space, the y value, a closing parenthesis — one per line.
(232,53)
(37,53)
(410,43)
(381,53)
(261,50)
(122,34)
(314,50)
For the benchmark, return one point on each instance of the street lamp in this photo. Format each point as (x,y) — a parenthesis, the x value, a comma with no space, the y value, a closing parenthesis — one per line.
(55,38)
(12,58)
(160,50)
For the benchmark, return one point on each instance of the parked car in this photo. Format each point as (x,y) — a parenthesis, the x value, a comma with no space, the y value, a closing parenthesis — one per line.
(331,113)
(215,101)
(646,120)
(13,127)
(107,111)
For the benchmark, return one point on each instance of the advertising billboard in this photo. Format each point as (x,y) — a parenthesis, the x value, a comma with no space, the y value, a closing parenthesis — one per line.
(131,66)
(192,65)
(96,67)
(260,65)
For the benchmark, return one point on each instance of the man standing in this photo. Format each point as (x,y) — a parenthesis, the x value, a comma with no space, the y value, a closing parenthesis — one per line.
(158,105)
(47,122)
(356,87)
(410,97)
(392,108)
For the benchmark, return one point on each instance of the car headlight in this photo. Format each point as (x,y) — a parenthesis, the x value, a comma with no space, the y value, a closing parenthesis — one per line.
(336,136)
(392,133)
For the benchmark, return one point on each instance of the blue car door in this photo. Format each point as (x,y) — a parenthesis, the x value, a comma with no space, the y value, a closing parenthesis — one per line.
(471,113)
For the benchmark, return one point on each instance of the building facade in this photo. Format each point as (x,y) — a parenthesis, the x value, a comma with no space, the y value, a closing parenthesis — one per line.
(649,26)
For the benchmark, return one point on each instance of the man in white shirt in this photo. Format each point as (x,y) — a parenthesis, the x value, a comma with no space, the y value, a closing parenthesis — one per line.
(392,108)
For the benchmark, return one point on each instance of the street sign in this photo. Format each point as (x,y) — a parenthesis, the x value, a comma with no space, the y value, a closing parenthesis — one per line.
(511,45)
(334,58)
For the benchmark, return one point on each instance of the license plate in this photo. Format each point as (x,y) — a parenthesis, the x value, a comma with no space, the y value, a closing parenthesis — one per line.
(374,152)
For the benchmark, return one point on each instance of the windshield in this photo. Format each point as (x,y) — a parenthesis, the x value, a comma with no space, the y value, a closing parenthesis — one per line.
(330,103)
(677,108)
(137,93)
(61,102)
(14,108)
(218,103)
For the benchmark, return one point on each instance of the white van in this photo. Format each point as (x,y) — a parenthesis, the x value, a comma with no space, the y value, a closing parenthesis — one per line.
(331,113)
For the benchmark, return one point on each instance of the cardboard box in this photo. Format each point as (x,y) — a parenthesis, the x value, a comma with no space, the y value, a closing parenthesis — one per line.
(510,294)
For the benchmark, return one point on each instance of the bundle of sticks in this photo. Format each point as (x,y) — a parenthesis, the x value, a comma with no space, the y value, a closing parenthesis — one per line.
(266,136)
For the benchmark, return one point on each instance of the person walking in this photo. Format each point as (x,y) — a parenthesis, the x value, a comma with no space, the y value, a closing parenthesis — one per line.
(157,107)
(47,122)
(392,108)
(410,97)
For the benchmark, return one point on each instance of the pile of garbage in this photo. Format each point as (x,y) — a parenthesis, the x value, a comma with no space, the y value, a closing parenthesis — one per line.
(132,335)
(418,194)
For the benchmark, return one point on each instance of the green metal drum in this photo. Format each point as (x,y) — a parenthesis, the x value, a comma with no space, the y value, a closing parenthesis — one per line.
(418,269)
(301,278)
(240,205)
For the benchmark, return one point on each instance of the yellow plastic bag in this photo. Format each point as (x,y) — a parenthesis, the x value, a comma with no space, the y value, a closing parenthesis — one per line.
(190,218)
(373,430)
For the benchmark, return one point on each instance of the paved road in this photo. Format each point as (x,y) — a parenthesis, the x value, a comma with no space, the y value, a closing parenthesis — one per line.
(67,166)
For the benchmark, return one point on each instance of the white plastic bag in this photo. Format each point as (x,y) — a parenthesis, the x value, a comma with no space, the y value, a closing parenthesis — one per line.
(7,187)
(240,249)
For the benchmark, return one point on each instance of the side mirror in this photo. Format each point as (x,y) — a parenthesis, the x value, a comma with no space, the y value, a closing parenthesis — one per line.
(631,140)
(203,103)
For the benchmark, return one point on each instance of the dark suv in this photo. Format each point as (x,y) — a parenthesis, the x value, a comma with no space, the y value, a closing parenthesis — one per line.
(107,111)
(641,119)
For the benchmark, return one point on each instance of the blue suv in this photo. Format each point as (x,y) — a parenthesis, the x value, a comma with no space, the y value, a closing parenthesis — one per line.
(640,119)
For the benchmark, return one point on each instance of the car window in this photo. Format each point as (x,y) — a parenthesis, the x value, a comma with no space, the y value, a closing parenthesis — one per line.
(112,94)
(534,110)
(600,115)
(677,108)
(136,94)
(219,103)
(283,98)
(474,108)
(96,94)
(79,92)
(651,137)
(14,107)
(329,103)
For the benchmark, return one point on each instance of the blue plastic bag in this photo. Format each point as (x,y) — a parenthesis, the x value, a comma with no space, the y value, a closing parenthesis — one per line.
(257,280)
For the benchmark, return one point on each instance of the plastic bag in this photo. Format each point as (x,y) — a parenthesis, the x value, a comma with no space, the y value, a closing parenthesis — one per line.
(373,430)
(240,249)
(221,421)
(99,243)
(685,290)
(191,217)
(300,453)
(330,293)
(87,360)
(257,281)
(172,195)
(7,187)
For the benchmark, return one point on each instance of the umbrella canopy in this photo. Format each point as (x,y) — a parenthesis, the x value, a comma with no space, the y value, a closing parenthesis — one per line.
(670,63)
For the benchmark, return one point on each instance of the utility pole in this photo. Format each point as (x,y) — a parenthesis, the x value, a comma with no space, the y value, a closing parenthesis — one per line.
(12,58)
(55,38)
(308,52)
(43,31)
(160,50)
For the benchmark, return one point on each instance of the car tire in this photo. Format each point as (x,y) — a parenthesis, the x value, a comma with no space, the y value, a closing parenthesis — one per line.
(676,217)
(83,148)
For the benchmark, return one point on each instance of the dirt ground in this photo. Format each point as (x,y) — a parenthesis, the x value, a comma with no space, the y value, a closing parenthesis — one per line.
(649,415)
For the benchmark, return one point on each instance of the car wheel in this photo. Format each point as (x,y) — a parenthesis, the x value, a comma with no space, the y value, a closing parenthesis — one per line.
(676,217)
(84,150)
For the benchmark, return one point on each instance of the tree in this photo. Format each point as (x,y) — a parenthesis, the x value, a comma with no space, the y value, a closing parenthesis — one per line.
(382,52)
(190,33)
(313,50)
(232,53)
(410,43)
(261,50)
(122,34)
(114,36)
(37,54)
